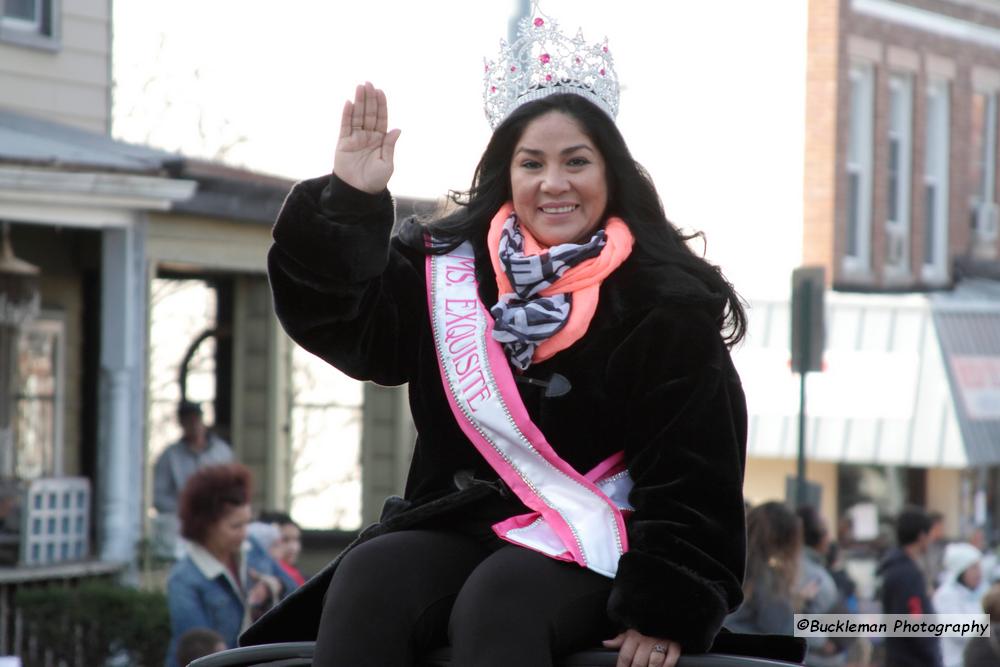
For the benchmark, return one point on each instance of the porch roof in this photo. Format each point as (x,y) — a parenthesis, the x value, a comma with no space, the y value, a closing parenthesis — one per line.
(34,141)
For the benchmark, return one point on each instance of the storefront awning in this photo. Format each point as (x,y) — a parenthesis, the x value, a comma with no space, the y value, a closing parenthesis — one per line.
(968,327)
(886,395)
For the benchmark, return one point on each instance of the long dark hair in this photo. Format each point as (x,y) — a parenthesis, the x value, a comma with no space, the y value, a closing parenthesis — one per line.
(774,542)
(631,196)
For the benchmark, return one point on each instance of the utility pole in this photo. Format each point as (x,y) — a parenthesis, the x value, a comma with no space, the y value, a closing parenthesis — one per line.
(808,285)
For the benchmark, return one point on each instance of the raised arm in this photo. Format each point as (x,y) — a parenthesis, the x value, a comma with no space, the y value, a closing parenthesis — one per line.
(341,289)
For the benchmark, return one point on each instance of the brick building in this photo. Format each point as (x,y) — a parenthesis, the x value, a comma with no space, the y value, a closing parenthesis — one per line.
(901,143)
(900,186)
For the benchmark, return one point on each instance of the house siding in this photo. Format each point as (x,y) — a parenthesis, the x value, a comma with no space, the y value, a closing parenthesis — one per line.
(71,84)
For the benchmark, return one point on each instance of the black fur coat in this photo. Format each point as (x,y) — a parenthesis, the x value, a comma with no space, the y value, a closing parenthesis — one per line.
(651,376)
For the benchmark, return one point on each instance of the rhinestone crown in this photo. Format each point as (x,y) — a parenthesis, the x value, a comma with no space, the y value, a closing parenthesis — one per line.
(543,61)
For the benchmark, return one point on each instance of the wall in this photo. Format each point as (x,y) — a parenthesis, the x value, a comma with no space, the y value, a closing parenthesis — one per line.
(765,480)
(943,495)
(72,84)
(187,241)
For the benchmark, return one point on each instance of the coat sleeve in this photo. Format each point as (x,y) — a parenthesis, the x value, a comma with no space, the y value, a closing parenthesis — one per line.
(684,421)
(341,288)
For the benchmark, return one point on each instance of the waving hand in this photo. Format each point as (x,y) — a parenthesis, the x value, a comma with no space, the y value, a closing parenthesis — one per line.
(365,149)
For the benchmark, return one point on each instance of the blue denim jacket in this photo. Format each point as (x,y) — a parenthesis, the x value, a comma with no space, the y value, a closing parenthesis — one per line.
(202,593)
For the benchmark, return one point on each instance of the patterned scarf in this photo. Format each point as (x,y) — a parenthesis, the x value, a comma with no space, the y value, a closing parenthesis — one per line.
(548,295)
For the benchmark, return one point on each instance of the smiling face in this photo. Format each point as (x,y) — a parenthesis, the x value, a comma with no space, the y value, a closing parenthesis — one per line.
(557,180)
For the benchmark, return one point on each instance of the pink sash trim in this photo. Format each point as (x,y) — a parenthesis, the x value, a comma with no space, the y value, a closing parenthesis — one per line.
(530,531)
(485,401)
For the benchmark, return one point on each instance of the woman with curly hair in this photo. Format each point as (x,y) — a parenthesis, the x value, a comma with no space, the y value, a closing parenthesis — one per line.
(225,581)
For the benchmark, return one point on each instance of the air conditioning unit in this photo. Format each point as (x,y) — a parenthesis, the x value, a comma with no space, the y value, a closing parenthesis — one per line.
(986,221)
(895,246)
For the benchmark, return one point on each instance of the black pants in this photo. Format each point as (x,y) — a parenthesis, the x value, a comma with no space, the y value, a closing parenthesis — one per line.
(398,595)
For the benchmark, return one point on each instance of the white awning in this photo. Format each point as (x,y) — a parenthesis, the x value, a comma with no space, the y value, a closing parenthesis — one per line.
(883,397)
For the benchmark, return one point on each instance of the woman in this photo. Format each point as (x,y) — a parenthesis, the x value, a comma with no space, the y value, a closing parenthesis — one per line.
(600,365)
(224,582)
(961,592)
(774,544)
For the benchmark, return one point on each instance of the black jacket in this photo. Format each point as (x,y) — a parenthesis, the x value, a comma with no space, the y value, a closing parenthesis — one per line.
(904,591)
(651,376)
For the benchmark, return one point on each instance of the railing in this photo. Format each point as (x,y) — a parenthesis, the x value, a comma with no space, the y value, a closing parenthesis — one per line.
(15,637)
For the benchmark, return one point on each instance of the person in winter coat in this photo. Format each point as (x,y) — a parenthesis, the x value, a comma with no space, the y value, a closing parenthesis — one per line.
(817,589)
(961,592)
(985,651)
(225,580)
(581,428)
(904,590)
(774,545)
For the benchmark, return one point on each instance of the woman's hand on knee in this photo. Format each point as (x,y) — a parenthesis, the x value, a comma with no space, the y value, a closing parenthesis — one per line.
(638,650)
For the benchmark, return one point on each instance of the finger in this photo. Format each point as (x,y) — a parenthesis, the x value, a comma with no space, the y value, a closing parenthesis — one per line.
(389,145)
(371,106)
(381,112)
(626,654)
(358,112)
(615,642)
(345,119)
(657,658)
(673,654)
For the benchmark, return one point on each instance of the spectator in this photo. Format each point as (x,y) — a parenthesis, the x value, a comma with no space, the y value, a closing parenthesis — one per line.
(290,545)
(774,545)
(989,563)
(961,592)
(197,643)
(904,590)
(933,562)
(223,582)
(846,586)
(985,651)
(198,447)
(817,592)
(266,537)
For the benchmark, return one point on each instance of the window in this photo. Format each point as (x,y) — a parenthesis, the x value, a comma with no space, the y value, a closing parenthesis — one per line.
(859,169)
(982,174)
(23,14)
(936,183)
(39,399)
(33,23)
(897,228)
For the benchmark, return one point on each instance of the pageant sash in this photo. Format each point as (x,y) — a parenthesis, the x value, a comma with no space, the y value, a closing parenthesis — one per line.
(575,517)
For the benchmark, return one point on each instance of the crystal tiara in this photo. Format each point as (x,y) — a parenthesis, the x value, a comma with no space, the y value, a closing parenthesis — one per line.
(543,61)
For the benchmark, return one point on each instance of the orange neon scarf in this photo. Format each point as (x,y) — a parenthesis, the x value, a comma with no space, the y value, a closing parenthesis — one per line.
(582,281)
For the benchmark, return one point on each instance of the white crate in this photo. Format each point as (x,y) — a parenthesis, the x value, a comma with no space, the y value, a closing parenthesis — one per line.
(55,521)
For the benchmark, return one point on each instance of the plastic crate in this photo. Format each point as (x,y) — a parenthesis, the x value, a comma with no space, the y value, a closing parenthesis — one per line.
(55,521)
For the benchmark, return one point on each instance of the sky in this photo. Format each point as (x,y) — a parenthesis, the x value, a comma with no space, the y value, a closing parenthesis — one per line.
(712,98)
